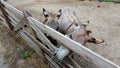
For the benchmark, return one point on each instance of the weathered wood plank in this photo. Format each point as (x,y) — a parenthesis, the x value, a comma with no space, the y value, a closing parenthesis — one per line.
(12,15)
(6,17)
(2,19)
(11,8)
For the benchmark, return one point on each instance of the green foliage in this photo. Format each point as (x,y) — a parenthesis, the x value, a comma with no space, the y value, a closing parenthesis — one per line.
(5,0)
(27,54)
(6,56)
(114,1)
(108,0)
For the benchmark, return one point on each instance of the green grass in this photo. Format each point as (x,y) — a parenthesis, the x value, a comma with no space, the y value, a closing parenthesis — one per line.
(108,0)
(26,54)
(118,2)
(114,1)
(5,0)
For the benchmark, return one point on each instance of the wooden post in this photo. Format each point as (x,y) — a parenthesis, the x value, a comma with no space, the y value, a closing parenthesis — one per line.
(6,17)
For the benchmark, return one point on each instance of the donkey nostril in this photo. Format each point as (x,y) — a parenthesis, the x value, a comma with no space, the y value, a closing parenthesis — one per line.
(88,21)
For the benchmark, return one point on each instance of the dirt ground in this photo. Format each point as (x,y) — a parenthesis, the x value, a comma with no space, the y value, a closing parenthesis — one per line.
(104,23)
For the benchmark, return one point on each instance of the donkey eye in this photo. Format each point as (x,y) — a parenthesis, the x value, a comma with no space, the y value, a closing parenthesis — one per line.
(58,15)
(46,15)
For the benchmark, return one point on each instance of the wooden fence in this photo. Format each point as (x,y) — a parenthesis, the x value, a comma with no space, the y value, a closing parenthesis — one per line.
(16,20)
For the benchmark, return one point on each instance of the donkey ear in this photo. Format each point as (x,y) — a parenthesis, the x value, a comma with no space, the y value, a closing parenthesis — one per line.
(44,9)
(45,13)
(59,13)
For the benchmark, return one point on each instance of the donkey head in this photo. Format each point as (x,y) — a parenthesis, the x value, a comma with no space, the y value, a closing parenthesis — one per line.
(82,36)
(51,19)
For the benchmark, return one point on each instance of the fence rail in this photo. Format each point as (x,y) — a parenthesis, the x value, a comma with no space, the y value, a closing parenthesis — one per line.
(39,29)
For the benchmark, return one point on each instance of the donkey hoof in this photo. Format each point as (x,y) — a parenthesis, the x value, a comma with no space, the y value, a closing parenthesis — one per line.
(88,22)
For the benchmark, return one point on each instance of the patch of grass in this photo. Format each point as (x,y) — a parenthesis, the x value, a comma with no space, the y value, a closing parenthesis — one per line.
(5,0)
(118,2)
(27,53)
(114,1)
(6,57)
(108,0)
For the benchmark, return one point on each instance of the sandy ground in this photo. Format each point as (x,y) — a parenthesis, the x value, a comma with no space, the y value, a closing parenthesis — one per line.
(104,21)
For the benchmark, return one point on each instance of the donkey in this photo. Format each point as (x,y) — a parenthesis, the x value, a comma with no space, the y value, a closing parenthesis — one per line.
(80,35)
(72,28)
(50,19)
(70,25)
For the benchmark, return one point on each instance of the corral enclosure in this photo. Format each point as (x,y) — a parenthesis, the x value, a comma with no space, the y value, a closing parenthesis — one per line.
(104,21)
